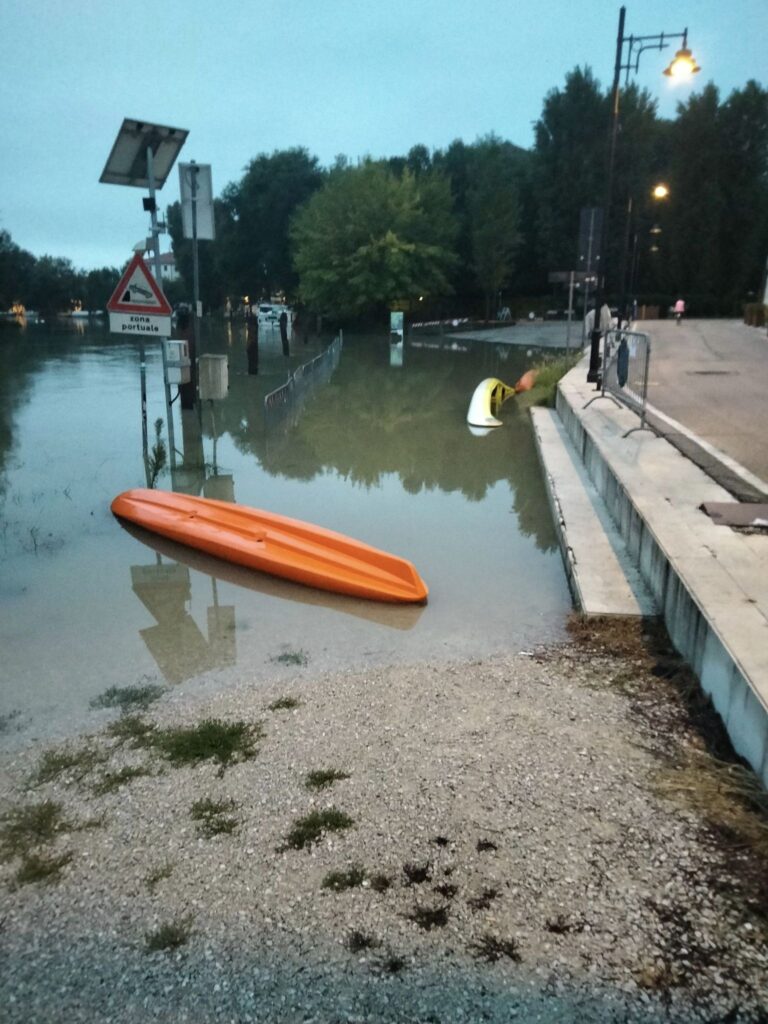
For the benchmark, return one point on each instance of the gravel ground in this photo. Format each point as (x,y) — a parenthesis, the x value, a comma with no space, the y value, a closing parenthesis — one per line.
(535,873)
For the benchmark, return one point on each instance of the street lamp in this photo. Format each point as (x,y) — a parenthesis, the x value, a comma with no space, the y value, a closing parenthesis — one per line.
(682,65)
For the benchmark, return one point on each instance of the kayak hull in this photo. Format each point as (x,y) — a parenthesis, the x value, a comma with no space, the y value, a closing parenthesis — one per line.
(274,544)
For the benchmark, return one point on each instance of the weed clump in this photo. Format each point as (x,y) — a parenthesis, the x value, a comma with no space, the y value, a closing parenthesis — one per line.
(491,948)
(357,941)
(380,883)
(211,739)
(299,657)
(284,704)
(428,918)
(338,881)
(132,729)
(309,830)
(170,935)
(29,826)
(213,818)
(128,697)
(324,777)
(112,781)
(41,867)
(76,762)
(159,873)
(415,874)
(484,900)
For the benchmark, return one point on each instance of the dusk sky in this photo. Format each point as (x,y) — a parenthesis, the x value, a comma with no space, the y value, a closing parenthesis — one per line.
(335,76)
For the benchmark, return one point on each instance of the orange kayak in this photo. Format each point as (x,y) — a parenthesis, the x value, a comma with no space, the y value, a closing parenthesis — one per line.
(274,544)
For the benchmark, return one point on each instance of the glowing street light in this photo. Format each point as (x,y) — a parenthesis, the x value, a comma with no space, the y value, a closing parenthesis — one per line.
(660,191)
(683,65)
(627,61)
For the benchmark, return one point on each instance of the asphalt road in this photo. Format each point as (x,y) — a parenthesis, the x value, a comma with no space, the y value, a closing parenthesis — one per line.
(711,376)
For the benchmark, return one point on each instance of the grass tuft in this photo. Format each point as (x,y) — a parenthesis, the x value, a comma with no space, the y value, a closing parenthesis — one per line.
(211,739)
(132,729)
(357,941)
(338,881)
(415,874)
(128,697)
(428,918)
(161,872)
(112,781)
(491,948)
(170,935)
(309,830)
(76,762)
(484,900)
(28,826)
(213,818)
(299,657)
(41,867)
(324,777)
(284,704)
(380,883)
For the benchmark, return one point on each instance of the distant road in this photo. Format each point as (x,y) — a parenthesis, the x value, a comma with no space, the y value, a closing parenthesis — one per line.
(711,376)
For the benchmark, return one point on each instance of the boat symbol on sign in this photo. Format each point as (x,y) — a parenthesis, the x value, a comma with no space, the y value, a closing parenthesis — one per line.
(136,290)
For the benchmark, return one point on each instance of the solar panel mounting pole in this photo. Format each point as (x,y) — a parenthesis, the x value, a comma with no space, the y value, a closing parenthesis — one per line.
(159,280)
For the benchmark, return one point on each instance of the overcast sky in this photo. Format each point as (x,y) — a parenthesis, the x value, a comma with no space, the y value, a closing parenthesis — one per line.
(336,76)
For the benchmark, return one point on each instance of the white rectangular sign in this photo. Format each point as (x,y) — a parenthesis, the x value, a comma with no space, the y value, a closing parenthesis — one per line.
(196,178)
(140,323)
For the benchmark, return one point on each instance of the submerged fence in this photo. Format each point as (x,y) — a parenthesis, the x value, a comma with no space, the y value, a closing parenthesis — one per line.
(626,365)
(282,407)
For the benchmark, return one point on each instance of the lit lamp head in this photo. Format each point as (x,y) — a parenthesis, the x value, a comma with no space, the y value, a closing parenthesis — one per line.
(682,66)
(660,191)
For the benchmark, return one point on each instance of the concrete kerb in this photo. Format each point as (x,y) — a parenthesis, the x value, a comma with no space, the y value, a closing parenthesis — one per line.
(705,579)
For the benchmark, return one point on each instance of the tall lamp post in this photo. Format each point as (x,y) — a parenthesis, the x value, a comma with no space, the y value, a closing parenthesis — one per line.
(628,51)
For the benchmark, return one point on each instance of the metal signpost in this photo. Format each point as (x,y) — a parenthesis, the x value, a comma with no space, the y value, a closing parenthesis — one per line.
(196,192)
(142,156)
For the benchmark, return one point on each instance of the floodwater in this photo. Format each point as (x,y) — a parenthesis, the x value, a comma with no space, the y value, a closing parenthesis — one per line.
(366,447)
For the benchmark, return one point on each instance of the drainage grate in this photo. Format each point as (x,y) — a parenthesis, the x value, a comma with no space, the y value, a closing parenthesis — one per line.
(712,373)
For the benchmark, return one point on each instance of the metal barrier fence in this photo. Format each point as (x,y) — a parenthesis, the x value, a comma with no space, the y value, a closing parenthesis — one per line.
(282,407)
(626,365)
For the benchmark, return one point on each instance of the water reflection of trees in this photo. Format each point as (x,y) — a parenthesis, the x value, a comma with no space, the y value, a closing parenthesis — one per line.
(371,420)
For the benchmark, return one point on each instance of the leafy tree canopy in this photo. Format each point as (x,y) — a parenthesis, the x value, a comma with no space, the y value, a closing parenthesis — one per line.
(369,238)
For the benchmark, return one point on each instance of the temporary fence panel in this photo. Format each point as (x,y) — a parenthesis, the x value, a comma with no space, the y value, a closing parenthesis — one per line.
(626,364)
(282,407)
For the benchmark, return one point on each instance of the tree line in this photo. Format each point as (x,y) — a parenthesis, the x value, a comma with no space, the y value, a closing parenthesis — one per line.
(466,229)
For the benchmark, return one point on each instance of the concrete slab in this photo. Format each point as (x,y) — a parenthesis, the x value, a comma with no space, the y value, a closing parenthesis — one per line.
(709,581)
(602,576)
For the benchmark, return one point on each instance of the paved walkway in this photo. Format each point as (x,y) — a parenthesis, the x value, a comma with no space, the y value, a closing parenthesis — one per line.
(708,395)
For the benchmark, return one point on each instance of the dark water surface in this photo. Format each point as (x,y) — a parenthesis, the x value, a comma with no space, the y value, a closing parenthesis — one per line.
(380,452)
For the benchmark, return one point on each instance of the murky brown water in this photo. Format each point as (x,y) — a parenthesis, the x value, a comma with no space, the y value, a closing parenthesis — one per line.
(380,452)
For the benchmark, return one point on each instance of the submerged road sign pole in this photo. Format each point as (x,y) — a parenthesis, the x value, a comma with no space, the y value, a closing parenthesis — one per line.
(138,306)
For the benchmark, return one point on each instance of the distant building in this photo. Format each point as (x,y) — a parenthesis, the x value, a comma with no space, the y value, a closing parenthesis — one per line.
(168,271)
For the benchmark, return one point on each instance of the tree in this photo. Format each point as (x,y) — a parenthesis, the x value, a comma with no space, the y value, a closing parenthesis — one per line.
(16,270)
(256,257)
(369,238)
(744,178)
(55,286)
(97,286)
(570,150)
(494,215)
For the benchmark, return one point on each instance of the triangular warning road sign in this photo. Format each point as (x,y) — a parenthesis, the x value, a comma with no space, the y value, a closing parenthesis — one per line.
(138,292)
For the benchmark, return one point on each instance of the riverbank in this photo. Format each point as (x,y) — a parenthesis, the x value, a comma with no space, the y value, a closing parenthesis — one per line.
(513,839)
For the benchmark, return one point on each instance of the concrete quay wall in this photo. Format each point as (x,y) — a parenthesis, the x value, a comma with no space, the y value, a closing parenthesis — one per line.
(709,583)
